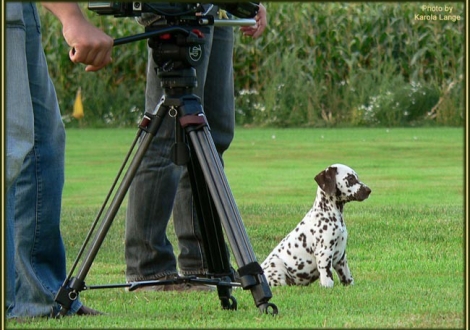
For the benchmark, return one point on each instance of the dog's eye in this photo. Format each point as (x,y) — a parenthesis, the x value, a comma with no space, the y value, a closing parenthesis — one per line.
(351,180)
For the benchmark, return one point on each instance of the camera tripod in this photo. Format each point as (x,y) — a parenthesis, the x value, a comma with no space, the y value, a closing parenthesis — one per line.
(176,52)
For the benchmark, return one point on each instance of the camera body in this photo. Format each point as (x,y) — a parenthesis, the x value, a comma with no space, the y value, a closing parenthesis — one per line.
(136,8)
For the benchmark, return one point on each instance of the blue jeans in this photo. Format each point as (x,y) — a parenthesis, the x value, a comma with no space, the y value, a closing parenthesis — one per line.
(35,143)
(161,187)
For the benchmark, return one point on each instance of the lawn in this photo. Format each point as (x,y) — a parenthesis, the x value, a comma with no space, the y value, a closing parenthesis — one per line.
(406,242)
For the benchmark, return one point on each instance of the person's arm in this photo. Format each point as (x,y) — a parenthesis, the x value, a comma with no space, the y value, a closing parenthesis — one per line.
(256,30)
(90,45)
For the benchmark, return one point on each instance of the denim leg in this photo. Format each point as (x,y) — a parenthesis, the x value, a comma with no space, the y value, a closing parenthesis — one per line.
(160,186)
(148,252)
(218,102)
(10,252)
(19,112)
(36,196)
(19,132)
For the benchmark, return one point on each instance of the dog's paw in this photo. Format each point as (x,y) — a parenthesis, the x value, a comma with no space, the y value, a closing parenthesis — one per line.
(349,281)
(327,283)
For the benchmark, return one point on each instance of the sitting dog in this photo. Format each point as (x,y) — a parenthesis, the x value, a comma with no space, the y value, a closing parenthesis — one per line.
(318,244)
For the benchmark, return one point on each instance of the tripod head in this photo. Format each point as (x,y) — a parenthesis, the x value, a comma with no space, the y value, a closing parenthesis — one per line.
(180,47)
(176,52)
(177,45)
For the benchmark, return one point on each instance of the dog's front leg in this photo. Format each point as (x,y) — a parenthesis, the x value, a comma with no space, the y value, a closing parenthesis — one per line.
(325,268)
(342,269)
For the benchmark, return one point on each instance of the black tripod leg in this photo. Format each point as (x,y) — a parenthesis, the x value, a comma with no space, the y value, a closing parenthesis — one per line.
(218,261)
(71,288)
(223,203)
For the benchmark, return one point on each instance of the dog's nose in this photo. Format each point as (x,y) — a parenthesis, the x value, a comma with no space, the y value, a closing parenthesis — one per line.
(363,193)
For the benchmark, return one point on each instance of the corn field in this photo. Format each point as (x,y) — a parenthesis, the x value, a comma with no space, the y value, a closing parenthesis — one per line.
(317,64)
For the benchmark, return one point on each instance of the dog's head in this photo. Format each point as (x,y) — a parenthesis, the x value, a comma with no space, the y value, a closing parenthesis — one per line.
(342,182)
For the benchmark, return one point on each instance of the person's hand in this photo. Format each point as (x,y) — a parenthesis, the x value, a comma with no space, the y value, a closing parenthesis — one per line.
(89,44)
(256,30)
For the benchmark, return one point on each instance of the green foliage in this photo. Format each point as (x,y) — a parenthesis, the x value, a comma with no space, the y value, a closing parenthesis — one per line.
(317,64)
(397,104)
(336,48)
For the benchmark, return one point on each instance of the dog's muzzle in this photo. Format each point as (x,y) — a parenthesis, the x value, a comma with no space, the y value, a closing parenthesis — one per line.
(363,193)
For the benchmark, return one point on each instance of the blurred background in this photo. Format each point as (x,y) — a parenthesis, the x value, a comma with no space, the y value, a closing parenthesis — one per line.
(316,65)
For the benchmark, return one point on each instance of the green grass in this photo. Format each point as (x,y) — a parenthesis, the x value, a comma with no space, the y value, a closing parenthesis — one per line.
(405,248)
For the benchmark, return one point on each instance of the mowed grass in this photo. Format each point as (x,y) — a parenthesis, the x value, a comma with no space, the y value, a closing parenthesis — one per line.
(406,242)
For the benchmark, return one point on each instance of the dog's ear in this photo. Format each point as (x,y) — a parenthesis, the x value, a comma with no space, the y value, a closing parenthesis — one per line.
(327,180)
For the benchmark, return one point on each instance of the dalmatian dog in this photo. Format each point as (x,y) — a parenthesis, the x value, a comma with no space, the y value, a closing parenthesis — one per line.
(318,244)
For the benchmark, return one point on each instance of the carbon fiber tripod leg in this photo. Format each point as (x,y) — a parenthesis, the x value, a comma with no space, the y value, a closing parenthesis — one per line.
(216,253)
(218,198)
(72,286)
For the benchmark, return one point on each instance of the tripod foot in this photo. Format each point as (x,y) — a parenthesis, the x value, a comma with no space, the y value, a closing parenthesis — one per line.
(268,308)
(230,303)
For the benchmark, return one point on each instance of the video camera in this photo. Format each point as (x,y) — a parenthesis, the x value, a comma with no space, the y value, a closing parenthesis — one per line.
(136,8)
